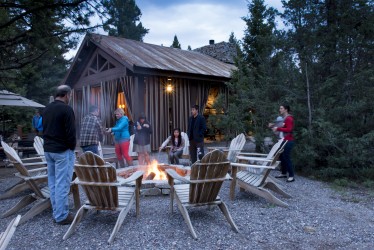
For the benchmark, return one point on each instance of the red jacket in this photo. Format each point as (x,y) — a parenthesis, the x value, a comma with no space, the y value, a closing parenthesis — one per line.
(287,128)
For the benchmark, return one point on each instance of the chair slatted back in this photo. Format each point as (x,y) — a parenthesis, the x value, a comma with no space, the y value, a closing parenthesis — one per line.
(207,177)
(100,185)
(131,147)
(15,159)
(236,146)
(186,144)
(99,181)
(89,158)
(38,145)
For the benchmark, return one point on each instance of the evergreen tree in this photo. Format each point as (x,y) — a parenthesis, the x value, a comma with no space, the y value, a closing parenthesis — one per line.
(189,47)
(176,43)
(124,19)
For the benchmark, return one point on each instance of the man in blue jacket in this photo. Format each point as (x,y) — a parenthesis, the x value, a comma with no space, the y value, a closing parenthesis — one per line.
(195,131)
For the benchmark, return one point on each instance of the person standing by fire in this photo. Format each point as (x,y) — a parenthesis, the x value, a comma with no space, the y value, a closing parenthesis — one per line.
(121,138)
(195,131)
(142,140)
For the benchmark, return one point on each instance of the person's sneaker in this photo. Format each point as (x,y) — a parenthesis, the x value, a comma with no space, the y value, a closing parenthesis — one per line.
(281,176)
(68,220)
(290,179)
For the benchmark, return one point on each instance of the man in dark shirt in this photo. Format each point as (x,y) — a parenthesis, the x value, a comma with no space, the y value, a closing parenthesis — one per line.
(59,144)
(195,131)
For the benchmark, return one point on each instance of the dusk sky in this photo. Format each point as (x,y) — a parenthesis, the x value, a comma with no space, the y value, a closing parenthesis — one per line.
(195,22)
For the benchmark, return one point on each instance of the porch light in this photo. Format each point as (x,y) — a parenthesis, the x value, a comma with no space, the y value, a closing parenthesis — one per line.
(169,88)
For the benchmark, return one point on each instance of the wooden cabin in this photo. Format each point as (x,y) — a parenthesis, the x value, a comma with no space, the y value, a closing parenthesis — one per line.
(162,82)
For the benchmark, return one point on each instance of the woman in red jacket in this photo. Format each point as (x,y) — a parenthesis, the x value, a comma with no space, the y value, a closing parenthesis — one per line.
(285,157)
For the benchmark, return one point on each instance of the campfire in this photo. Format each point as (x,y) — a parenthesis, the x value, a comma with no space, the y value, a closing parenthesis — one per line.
(154,172)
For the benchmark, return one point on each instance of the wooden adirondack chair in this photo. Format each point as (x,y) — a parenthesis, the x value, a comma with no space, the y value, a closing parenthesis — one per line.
(259,158)
(235,148)
(258,182)
(104,191)
(30,179)
(133,154)
(186,152)
(7,235)
(203,187)
(38,145)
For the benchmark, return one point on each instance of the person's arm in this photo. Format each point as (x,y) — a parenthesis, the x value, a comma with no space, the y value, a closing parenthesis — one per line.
(100,129)
(70,129)
(120,125)
(202,126)
(288,125)
(165,143)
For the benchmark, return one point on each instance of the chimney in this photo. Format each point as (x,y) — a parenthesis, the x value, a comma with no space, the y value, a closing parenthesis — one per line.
(211,42)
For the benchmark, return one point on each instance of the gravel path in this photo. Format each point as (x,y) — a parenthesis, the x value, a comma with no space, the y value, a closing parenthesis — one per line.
(318,217)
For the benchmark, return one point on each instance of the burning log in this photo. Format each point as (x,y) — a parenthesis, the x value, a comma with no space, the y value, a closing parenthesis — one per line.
(151,176)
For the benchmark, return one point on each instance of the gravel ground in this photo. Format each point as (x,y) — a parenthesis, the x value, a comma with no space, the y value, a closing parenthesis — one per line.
(318,217)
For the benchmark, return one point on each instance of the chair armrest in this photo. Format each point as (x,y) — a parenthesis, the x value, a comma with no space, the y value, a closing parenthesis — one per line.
(37,170)
(33,163)
(242,165)
(133,177)
(171,174)
(254,154)
(220,148)
(36,177)
(239,157)
(32,158)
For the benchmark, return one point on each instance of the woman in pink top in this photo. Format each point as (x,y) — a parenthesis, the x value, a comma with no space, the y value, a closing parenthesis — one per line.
(287,129)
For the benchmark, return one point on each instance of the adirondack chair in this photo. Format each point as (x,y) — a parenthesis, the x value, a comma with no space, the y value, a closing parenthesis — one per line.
(235,148)
(258,183)
(203,187)
(38,145)
(7,235)
(133,155)
(186,152)
(104,191)
(260,158)
(30,179)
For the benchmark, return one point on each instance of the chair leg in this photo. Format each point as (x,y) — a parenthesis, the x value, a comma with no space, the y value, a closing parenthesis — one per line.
(78,217)
(21,204)
(187,219)
(121,217)
(274,187)
(17,188)
(227,214)
(39,207)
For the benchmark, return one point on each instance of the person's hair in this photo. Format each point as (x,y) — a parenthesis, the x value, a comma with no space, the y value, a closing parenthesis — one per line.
(195,107)
(119,111)
(93,108)
(287,107)
(62,90)
(179,137)
(142,116)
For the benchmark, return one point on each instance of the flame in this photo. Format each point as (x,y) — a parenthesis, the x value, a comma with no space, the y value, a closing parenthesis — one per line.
(153,168)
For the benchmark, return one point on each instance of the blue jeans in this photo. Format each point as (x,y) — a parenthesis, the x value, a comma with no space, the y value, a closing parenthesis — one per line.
(60,173)
(174,156)
(285,157)
(93,148)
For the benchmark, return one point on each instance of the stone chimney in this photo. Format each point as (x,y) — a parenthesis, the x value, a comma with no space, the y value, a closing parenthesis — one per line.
(211,42)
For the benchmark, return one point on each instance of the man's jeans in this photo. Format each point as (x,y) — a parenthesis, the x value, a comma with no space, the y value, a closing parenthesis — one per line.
(60,172)
(93,148)
(196,150)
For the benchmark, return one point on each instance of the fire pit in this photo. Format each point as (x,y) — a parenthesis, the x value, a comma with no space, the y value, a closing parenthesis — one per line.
(154,179)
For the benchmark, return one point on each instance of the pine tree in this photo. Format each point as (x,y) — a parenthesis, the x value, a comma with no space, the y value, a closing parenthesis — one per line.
(189,47)
(124,19)
(176,43)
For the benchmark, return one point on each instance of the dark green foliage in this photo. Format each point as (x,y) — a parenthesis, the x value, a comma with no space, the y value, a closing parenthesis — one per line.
(176,43)
(124,19)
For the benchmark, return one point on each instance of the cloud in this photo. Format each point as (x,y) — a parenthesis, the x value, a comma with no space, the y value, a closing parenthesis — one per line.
(194,24)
